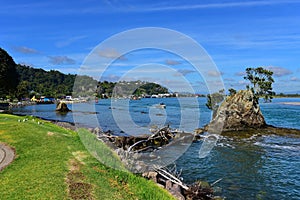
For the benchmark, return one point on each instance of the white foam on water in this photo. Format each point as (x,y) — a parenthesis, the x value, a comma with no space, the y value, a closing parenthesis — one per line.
(210,140)
(277,146)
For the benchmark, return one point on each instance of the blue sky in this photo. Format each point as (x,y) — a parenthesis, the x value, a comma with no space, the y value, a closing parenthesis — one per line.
(236,34)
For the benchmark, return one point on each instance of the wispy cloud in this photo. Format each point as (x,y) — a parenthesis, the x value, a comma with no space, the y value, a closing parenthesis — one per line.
(229,79)
(214,73)
(111,78)
(183,72)
(25,50)
(106,6)
(279,71)
(240,74)
(27,64)
(61,60)
(172,62)
(294,78)
(217,5)
(111,53)
(69,41)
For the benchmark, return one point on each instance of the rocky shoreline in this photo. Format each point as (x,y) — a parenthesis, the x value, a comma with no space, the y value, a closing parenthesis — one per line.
(163,177)
(198,190)
(134,153)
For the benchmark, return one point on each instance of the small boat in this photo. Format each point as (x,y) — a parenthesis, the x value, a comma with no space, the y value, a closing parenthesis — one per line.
(162,105)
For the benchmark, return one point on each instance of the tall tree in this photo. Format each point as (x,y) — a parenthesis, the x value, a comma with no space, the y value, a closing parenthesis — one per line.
(8,75)
(261,80)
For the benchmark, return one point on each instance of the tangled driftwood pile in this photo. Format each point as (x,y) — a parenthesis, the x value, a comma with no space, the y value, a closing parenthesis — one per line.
(133,150)
(142,143)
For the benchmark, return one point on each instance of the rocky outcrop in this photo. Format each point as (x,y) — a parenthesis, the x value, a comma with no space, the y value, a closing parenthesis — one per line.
(62,107)
(198,190)
(237,112)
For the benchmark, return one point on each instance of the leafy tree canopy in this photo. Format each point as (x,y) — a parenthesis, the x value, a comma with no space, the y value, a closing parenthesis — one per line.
(261,82)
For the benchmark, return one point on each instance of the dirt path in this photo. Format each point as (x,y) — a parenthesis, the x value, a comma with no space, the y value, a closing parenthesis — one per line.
(7,155)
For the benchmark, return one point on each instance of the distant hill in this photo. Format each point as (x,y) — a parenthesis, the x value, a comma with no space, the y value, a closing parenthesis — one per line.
(22,81)
(40,82)
(132,88)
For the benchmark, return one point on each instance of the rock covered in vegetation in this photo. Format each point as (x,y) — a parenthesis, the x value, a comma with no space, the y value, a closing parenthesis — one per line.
(238,112)
(62,107)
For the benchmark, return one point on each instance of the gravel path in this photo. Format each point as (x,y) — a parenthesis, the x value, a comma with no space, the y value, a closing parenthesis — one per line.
(7,155)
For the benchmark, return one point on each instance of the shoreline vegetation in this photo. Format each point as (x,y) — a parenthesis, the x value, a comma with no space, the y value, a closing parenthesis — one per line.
(102,148)
(52,163)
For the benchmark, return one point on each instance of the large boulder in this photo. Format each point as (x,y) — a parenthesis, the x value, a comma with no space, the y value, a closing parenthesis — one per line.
(237,112)
(62,107)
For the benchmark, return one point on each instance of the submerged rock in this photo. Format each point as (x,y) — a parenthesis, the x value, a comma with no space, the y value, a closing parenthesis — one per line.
(237,112)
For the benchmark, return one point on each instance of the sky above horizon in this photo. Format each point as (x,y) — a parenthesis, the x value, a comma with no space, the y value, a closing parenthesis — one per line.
(234,34)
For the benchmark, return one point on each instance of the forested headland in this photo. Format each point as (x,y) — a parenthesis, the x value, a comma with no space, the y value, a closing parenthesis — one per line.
(19,81)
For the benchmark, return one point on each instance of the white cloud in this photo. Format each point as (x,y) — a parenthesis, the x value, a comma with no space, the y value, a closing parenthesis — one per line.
(69,41)
(217,5)
(242,83)
(183,72)
(229,79)
(279,71)
(240,74)
(27,64)
(172,62)
(214,73)
(294,78)
(111,53)
(25,50)
(61,60)
(111,78)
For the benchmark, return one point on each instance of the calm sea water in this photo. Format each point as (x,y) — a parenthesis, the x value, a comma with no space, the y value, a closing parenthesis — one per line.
(259,167)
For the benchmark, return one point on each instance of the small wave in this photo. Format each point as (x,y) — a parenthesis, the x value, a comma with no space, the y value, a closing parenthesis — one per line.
(221,144)
(276,146)
(210,136)
(209,142)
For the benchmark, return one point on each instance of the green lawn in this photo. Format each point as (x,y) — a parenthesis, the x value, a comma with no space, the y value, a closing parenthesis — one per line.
(52,163)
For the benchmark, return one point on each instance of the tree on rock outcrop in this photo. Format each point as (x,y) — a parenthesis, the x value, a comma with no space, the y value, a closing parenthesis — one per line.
(261,80)
(237,112)
(240,110)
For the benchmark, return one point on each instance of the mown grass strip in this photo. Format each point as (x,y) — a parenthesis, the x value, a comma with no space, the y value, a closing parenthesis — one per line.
(52,163)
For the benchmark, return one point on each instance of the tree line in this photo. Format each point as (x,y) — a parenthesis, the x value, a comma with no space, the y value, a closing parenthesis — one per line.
(21,81)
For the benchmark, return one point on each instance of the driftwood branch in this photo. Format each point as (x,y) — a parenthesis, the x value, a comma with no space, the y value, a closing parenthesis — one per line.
(135,144)
(161,134)
(217,181)
(171,177)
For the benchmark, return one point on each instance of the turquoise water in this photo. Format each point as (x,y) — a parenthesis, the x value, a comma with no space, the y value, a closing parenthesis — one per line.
(259,167)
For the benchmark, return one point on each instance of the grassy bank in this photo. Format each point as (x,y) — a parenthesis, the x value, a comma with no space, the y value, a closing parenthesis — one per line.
(52,163)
